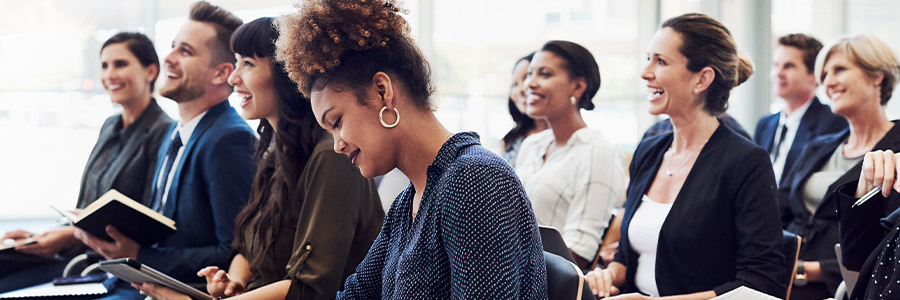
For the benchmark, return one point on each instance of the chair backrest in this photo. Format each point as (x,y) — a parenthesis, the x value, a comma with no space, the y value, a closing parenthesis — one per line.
(564,279)
(849,276)
(83,264)
(791,249)
(554,243)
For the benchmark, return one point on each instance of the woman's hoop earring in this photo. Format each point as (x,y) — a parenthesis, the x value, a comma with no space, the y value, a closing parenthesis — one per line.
(381,118)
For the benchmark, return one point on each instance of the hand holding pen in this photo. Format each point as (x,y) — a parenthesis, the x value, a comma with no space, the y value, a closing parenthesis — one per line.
(878,175)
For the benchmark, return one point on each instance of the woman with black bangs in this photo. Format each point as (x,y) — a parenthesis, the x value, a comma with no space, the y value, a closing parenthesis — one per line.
(309,208)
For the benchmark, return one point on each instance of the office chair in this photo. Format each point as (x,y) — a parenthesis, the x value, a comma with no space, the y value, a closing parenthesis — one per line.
(791,250)
(565,280)
(83,264)
(850,277)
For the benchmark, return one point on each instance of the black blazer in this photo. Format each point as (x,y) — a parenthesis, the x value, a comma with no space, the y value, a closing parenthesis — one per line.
(820,229)
(131,171)
(818,120)
(722,230)
(862,232)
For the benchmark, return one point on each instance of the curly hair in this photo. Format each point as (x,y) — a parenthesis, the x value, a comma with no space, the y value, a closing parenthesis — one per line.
(348,41)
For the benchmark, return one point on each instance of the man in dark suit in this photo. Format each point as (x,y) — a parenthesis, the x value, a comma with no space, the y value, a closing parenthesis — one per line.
(205,166)
(784,134)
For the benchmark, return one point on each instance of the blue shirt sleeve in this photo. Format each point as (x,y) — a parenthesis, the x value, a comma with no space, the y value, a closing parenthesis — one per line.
(487,237)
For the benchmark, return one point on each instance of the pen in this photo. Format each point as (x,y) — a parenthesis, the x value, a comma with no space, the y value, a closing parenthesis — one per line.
(866,197)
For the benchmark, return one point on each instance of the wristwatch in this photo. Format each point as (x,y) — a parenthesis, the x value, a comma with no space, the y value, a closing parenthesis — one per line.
(800,280)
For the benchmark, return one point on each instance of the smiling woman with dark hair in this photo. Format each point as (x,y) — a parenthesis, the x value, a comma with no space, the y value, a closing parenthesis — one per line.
(124,157)
(573,175)
(311,217)
(701,217)
(525,125)
(464,228)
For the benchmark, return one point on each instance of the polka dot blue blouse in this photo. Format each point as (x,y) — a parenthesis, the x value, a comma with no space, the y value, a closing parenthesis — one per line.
(474,236)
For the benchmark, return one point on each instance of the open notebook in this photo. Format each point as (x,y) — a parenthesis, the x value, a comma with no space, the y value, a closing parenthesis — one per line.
(131,218)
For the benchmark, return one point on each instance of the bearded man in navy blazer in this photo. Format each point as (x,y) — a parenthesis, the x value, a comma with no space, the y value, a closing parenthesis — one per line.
(784,134)
(205,165)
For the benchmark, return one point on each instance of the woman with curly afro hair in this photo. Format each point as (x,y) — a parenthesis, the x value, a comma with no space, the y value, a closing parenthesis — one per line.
(464,228)
(311,217)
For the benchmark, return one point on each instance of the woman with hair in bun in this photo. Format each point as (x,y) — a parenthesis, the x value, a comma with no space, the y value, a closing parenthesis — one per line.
(464,228)
(311,217)
(572,174)
(124,157)
(701,216)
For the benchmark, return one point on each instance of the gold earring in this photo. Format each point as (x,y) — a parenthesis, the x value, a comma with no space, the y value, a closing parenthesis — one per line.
(381,118)
(574,100)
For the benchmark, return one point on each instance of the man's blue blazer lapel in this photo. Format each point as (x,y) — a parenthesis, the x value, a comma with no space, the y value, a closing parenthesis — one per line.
(205,123)
(767,134)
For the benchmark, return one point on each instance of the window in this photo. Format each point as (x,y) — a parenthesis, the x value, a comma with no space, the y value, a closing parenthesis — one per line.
(51,101)
(474,55)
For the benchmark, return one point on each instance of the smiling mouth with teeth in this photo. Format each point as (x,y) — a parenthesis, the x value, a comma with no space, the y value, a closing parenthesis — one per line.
(655,93)
(835,94)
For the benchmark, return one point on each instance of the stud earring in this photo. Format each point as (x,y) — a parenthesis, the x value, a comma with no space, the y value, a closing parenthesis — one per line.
(574,100)
(696,91)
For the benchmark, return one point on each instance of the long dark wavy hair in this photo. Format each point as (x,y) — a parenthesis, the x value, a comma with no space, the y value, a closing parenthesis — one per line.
(294,142)
(524,123)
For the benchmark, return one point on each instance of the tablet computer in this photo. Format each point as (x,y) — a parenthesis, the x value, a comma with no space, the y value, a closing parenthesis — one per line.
(134,271)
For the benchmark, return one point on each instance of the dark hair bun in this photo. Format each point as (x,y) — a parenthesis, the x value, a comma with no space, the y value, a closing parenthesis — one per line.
(580,63)
(313,40)
(744,70)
